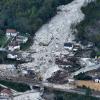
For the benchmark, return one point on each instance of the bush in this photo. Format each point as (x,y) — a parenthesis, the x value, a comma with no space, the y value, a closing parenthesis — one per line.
(20,87)
(89,28)
(82,76)
(27,16)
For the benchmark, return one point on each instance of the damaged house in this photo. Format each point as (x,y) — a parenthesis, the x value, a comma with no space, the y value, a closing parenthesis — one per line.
(11,33)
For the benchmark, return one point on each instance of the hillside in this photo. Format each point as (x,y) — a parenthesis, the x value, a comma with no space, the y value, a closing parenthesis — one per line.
(89,28)
(27,15)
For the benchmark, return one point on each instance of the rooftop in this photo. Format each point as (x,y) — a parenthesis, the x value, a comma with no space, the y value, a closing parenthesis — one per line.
(10,31)
(7,91)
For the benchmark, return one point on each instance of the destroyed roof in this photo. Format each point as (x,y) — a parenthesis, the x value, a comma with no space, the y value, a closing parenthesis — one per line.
(7,91)
(14,43)
(10,31)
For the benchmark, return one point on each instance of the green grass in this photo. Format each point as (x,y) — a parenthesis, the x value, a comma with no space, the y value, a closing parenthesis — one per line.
(98,53)
(3,40)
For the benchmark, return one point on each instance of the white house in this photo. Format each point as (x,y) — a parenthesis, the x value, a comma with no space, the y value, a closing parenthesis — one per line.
(21,39)
(57,53)
(12,48)
(76,47)
(71,80)
(11,33)
(24,72)
(68,46)
(11,56)
(97,80)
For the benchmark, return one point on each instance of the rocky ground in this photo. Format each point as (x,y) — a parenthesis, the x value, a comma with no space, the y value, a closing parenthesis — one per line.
(51,37)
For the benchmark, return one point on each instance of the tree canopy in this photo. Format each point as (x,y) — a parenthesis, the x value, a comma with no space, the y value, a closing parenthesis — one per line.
(27,15)
(89,28)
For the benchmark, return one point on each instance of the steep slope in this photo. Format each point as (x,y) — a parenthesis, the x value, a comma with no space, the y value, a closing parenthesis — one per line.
(89,28)
(50,39)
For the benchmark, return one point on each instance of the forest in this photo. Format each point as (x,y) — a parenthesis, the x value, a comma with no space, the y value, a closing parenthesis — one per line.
(89,28)
(27,16)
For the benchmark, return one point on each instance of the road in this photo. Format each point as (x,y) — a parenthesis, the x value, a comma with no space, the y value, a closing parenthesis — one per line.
(70,89)
(64,87)
(86,69)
